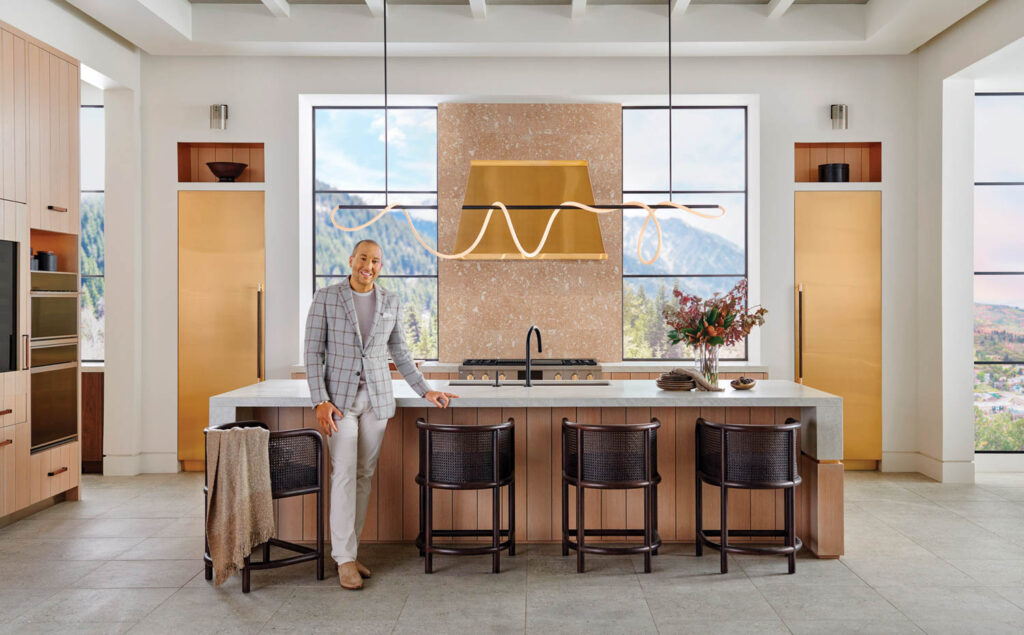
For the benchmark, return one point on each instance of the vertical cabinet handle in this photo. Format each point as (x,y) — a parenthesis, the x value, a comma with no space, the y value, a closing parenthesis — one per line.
(24,361)
(259,332)
(800,333)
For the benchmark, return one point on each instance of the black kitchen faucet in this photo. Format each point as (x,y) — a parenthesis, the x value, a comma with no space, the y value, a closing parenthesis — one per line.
(540,349)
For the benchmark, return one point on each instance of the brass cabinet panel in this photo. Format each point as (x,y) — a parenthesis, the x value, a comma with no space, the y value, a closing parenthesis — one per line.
(221,255)
(838,273)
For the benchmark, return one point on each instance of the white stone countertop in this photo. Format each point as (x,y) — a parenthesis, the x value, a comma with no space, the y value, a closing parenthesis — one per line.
(606,367)
(822,412)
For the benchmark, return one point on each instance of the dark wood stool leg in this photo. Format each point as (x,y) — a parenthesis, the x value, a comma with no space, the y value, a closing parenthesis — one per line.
(648,528)
(496,528)
(512,518)
(580,531)
(245,575)
(266,551)
(320,533)
(565,520)
(699,520)
(654,503)
(423,504)
(428,514)
(208,573)
(790,528)
(725,528)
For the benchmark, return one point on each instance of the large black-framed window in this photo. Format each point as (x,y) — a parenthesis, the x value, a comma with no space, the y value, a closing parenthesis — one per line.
(91,252)
(999,273)
(349,159)
(709,165)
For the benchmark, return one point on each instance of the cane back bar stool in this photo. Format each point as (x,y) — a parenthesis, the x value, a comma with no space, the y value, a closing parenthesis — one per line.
(747,457)
(610,457)
(296,469)
(464,457)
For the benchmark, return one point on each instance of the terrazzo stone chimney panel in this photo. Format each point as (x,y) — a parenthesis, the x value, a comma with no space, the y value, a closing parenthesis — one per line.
(486,307)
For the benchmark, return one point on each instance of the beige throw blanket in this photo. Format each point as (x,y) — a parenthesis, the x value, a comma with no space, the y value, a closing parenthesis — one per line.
(702,383)
(239,507)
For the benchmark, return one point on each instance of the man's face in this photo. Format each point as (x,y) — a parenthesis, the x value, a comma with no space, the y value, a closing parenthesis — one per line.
(366,263)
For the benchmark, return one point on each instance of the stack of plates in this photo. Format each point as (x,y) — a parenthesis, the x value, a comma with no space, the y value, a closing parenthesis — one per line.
(675,382)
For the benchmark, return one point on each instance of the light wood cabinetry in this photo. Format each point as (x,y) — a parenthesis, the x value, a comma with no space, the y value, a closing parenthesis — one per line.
(53,195)
(54,471)
(39,106)
(838,276)
(13,117)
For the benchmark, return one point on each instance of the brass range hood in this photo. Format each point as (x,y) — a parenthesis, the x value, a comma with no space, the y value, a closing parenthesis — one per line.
(530,190)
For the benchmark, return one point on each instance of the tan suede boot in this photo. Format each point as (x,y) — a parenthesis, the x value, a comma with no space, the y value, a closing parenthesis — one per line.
(363,569)
(348,577)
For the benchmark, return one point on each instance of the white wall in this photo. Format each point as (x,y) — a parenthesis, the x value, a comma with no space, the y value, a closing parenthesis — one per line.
(263,94)
(945,284)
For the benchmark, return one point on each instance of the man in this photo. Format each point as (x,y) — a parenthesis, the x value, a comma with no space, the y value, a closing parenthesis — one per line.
(350,328)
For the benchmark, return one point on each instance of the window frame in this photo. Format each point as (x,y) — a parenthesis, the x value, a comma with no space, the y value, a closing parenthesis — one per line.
(671,192)
(386,192)
(975,363)
(83,276)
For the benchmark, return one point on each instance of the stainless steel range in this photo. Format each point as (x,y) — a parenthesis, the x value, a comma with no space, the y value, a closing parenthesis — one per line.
(540,369)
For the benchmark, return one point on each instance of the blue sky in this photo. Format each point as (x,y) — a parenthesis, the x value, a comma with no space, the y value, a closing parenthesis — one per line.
(999,210)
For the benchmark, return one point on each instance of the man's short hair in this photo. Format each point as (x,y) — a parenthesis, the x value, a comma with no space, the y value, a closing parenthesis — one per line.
(366,241)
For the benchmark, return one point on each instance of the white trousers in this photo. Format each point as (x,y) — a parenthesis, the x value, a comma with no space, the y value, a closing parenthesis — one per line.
(355,448)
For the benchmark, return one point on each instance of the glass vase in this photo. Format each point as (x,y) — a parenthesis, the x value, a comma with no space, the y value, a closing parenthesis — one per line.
(706,362)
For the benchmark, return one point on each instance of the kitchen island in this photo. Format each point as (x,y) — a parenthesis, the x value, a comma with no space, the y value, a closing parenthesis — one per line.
(538,412)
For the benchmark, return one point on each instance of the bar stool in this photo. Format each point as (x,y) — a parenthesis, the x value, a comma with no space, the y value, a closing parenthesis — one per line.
(296,469)
(747,457)
(610,457)
(464,457)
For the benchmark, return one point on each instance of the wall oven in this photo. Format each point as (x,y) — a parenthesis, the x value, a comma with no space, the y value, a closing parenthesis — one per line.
(54,393)
(54,305)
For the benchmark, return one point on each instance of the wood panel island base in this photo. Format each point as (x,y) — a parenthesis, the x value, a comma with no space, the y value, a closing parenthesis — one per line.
(538,412)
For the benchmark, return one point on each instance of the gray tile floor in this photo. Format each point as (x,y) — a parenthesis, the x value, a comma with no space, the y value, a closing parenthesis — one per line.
(921,556)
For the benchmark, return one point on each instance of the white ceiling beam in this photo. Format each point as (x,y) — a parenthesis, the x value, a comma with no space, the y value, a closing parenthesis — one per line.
(148,24)
(278,8)
(579,7)
(678,7)
(376,7)
(776,8)
(478,8)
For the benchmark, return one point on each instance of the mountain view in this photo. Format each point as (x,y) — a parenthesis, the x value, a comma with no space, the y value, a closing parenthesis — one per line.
(92,264)
(998,388)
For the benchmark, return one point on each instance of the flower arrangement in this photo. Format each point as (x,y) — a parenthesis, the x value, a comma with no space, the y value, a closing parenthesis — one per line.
(708,324)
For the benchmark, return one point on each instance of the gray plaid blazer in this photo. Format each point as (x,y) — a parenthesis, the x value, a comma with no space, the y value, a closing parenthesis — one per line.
(335,355)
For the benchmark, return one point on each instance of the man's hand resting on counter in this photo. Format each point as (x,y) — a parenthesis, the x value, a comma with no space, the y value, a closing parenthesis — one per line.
(439,399)
(325,417)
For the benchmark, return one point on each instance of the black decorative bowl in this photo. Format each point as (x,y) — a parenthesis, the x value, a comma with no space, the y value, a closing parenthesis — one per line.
(834,172)
(227,171)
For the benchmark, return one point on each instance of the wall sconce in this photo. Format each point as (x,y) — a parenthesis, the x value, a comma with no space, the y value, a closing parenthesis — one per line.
(219,117)
(839,114)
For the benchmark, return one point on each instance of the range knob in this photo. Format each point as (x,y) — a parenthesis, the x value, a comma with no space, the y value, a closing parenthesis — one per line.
(575,376)
(501,377)
(469,376)
(484,376)
(590,375)
(558,375)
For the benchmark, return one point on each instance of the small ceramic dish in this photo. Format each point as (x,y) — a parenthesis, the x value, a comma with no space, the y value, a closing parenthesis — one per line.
(743,383)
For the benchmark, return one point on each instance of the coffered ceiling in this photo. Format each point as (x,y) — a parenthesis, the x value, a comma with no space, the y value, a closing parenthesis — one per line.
(535,28)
